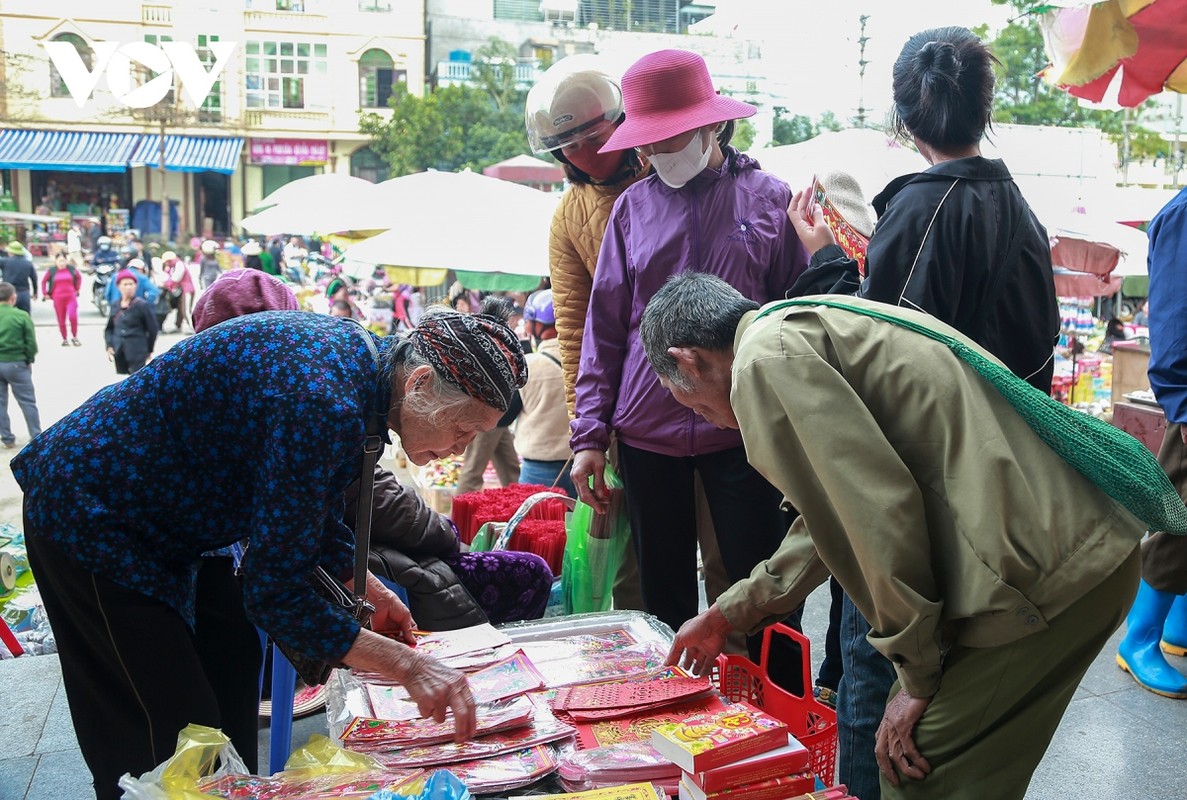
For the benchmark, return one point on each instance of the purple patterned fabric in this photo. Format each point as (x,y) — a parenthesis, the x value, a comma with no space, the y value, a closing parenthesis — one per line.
(509,586)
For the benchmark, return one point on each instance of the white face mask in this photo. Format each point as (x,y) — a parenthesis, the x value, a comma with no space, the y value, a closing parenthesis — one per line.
(677,169)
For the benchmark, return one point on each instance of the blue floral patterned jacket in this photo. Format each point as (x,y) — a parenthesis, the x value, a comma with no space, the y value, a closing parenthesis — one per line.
(263,418)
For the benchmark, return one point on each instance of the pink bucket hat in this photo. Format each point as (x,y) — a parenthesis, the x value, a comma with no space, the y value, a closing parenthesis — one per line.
(667,93)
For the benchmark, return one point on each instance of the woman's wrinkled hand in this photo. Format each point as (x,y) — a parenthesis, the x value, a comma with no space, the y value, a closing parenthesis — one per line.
(436,689)
(391,618)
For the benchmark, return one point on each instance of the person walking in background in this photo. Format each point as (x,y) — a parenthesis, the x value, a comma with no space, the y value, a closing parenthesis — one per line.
(251,256)
(131,331)
(146,290)
(542,430)
(18,270)
(18,348)
(208,267)
(74,246)
(62,283)
(1158,619)
(709,206)
(957,241)
(179,283)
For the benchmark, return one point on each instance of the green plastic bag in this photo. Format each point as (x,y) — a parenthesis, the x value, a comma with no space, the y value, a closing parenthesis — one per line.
(594,547)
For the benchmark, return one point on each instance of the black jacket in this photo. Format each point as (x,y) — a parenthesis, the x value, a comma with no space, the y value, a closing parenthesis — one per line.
(20,272)
(408,541)
(132,330)
(939,246)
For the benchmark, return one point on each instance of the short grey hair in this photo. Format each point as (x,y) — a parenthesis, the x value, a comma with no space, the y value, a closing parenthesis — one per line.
(7,292)
(437,402)
(692,309)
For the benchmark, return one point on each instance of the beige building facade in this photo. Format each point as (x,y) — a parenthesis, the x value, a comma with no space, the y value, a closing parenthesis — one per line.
(290,78)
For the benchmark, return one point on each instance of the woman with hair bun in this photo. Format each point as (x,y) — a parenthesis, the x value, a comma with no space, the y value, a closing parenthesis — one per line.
(959,242)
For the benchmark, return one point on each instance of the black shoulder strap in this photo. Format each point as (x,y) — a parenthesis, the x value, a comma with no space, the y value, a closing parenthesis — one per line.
(372,447)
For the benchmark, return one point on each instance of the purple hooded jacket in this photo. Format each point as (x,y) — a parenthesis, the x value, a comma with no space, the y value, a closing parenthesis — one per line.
(732,226)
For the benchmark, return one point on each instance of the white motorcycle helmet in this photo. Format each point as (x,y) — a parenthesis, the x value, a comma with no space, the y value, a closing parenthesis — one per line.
(574,100)
(103,242)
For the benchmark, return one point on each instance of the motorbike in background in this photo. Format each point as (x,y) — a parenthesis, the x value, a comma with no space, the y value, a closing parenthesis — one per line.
(103,275)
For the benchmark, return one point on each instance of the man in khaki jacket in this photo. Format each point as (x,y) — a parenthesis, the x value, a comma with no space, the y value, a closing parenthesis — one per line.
(992,571)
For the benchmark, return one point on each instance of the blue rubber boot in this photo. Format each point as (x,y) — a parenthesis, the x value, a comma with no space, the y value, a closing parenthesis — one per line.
(1139,653)
(1174,631)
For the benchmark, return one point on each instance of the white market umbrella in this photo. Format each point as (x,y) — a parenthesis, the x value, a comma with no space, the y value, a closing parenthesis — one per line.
(318,190)
(462,221)
(355,217)
(872,157)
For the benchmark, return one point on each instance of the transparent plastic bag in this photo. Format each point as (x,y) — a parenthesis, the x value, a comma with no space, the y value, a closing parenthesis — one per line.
(201,752)
(594,550)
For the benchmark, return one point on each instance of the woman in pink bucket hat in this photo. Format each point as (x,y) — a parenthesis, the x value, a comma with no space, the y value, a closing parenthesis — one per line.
(707,208)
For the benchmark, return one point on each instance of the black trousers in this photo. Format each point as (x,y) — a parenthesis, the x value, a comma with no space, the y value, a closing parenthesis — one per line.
(134,672)
(659,495)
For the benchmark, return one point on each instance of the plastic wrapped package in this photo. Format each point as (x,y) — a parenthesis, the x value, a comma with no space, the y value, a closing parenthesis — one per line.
(206,765)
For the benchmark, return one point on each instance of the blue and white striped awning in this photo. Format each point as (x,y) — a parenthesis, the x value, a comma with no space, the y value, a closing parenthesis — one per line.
(65,150)
(189,153)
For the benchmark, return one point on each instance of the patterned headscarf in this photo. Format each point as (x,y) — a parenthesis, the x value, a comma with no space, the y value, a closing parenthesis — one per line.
(476,353)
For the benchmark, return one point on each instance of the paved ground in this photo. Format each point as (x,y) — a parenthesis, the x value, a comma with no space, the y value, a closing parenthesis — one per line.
(1116,740)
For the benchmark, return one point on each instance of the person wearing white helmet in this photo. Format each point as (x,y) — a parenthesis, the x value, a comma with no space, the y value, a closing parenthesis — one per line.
(542,433)
(570,113)
(105,253)
(209,268)
(145,288)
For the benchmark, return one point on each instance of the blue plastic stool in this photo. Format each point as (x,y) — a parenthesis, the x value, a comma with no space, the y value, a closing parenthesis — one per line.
(284,684)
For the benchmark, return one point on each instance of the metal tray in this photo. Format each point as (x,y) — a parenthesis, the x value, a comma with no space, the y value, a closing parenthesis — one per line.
(346,697)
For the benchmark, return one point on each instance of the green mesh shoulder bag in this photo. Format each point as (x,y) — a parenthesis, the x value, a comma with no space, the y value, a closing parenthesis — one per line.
(1113,460)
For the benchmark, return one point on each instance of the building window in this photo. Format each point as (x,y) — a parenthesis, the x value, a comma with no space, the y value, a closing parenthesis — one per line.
(57,86)
(377,76)
(212,106)
(275,5)
(147,74)
(518,10)
(285,75)
(375,5)
(365,163)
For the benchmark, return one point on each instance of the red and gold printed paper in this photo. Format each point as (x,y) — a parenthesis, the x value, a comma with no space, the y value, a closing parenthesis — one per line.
(639,727)
(514,675)
(322,787)
(633,791)
(779,788)
(712,740)
(543,729)
(506,771)
(366,734)
(848,237)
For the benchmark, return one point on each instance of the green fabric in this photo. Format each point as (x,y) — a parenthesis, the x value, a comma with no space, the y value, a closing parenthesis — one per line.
(497,281)
(1113,460)
(18,339)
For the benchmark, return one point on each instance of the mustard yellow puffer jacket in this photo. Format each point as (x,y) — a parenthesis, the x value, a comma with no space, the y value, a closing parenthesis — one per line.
(577,229)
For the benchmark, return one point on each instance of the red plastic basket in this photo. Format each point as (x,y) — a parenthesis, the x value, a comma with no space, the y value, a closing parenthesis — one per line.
(810,721)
